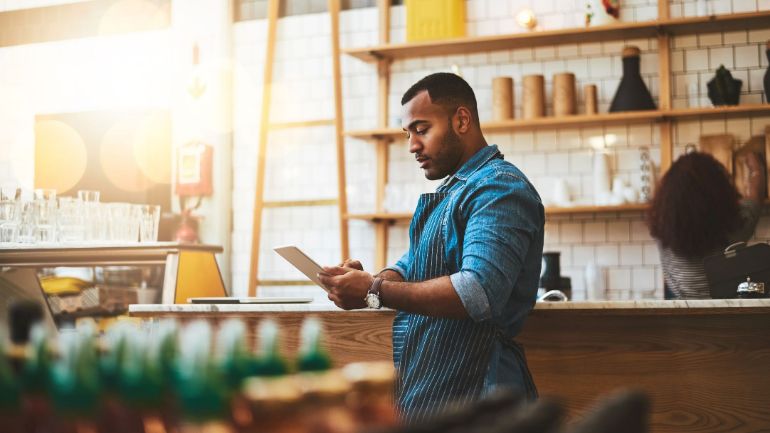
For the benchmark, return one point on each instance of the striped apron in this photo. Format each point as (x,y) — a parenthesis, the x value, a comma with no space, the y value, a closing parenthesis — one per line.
(440,362)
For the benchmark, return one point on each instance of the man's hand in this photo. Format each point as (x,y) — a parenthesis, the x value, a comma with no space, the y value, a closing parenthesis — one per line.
(347,286)
(353,264)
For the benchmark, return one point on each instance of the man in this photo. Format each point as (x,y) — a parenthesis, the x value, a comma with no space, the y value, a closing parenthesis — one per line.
(470,277)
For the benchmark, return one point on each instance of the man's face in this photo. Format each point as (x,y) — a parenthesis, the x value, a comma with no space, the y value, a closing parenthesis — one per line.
(436,147)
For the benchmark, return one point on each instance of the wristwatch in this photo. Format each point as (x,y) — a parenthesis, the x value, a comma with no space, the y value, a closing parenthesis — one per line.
(373,296)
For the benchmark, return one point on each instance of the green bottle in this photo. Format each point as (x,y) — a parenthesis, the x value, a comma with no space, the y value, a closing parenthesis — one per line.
(269,361)
(312,356)
(75,385)
(202,391)
(10,394)
(235,362)
(35,380)
(161,368)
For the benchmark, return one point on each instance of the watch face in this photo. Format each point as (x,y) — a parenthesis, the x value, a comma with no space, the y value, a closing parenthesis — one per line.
(372,300)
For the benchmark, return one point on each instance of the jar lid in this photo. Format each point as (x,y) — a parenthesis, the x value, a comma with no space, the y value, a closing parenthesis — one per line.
(631,51)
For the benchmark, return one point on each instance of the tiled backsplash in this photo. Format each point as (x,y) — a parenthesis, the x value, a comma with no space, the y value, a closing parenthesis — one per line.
(619,242)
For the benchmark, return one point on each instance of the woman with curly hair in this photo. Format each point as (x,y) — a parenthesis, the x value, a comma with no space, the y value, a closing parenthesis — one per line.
(697,212)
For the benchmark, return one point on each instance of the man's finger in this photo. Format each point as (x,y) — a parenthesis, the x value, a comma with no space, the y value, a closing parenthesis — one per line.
(326,279)
(355,264)
(335,270)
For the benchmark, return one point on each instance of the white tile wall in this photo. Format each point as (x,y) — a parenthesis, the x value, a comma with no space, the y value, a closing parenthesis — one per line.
(619,242)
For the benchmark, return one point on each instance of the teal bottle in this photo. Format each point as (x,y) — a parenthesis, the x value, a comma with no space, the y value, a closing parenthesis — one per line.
(312,355)
(269,360)
(10,393)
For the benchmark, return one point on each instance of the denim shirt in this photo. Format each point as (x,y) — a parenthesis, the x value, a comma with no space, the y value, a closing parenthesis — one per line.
(494,245)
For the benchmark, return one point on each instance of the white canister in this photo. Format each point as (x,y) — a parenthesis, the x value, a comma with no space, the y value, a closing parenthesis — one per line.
(602,178)
(596,284)
(561,193)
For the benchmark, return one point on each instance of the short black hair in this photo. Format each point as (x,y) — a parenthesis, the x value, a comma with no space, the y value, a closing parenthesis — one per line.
(445,89)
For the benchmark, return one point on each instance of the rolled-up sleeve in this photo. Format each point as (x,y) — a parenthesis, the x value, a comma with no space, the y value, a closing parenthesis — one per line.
(401,265)
(503,215)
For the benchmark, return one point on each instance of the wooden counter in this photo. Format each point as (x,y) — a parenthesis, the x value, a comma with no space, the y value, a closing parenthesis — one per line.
(705,363)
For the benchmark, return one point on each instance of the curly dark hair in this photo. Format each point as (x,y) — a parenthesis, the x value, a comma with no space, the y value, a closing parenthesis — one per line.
(445,89)
(695,206)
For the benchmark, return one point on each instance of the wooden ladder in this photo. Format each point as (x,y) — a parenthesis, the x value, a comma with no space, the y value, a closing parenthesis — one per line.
(265,127)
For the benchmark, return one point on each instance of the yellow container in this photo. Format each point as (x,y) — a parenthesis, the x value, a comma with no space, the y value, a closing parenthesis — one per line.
(428,20)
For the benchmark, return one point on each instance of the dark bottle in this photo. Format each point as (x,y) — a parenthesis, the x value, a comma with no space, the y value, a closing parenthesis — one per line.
(632,93)
(550,278)
(767,75)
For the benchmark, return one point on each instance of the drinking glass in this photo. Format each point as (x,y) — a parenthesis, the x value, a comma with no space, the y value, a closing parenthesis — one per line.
(10,193)
(93,216)
(27,224)
(45,220)
(9,221)
(44,194)
(118,218)
(72,226)
(88,196)
(150,219)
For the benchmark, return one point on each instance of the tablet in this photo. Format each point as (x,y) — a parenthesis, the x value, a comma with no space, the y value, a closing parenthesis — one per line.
(302,262)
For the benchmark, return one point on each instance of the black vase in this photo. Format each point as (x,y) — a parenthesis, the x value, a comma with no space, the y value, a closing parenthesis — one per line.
(723,88)
(767,76)
(632,93)
(550,277)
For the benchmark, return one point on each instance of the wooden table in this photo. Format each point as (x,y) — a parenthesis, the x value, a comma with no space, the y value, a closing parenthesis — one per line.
(704,363)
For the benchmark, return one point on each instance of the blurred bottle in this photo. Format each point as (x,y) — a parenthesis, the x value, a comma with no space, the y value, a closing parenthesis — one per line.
(371,399)
(269,360)
(75,386)
(202,393)
(35,382)
(324,390)
(312,355)
(270,405)
(325,399)
(10,392)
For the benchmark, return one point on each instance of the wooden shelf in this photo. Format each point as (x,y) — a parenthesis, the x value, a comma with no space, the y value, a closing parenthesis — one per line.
(380,217)
(446,47)
(716,23)
(620,31)
(632,207)
(726,111)
(583,120)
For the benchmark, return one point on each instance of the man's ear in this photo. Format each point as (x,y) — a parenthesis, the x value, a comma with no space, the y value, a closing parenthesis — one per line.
(462,120)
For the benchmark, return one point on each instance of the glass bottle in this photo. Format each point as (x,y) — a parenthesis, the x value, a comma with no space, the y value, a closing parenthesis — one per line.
(632,93)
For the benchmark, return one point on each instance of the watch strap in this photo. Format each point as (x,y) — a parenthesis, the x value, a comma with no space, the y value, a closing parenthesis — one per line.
(375,287)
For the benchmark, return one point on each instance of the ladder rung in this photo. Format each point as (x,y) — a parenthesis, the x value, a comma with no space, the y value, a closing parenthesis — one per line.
(285,283)
(301,124)
(297,203)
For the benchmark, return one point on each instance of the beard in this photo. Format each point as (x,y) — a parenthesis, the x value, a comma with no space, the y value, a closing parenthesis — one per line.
(447,158)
